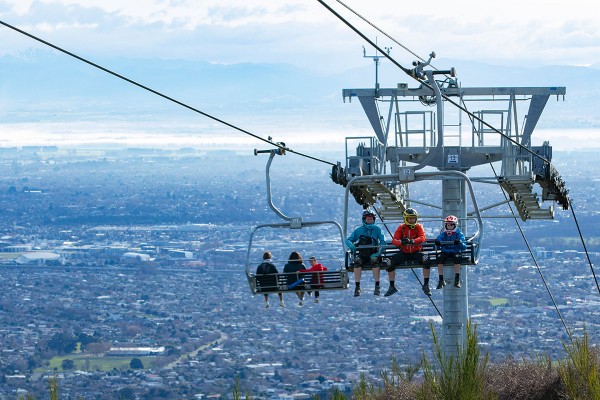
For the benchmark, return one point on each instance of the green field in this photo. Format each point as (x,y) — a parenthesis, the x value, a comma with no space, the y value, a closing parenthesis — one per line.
(86,363)
(499,301)
(9,256)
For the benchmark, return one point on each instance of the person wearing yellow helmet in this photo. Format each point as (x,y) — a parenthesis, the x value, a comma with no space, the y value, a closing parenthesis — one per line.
(408,237)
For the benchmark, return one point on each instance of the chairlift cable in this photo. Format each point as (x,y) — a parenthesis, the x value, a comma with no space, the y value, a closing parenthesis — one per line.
(584,246)
(581,238)
(537,266)
(383,32)
(412,269)
(463,108)
(409,72)
(362,35)
(156,92)
(533,256)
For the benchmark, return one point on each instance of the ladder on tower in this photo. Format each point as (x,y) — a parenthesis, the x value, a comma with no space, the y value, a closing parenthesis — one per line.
(391,206)
(520,190)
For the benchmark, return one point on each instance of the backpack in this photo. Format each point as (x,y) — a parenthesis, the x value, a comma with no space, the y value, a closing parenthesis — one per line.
(367,241)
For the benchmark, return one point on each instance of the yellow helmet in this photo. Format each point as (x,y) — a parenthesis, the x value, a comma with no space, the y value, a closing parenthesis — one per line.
(410,212)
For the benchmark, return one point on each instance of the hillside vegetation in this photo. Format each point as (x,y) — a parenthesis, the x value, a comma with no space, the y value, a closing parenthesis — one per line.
(469,376)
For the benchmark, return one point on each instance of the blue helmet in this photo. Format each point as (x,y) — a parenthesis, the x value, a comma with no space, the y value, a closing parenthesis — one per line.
(368,213)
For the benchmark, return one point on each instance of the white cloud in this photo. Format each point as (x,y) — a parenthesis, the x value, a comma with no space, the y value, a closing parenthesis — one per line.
(19,7)
(304,33)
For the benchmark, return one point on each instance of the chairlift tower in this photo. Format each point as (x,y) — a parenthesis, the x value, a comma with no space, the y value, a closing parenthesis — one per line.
(431,142)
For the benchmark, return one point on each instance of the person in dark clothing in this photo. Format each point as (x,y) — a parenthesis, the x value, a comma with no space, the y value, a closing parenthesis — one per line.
(294,264)
(267,268)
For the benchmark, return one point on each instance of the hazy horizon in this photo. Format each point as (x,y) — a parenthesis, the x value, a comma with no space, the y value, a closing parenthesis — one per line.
(120,134)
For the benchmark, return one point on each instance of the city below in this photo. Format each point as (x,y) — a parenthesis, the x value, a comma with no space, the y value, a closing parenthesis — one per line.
(123,275)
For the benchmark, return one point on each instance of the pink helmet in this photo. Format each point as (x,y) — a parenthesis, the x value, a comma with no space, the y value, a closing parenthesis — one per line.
(450,219)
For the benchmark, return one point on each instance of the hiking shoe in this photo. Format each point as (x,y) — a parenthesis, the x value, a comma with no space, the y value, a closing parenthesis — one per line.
(391,291)
(377,291)
(316,301)
(440,285)
(357,292)
(427,290)
(300,303)
(267,305)
(457,284)
(281,304)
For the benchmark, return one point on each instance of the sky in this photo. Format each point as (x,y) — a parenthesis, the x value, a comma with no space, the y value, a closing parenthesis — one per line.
(306,34)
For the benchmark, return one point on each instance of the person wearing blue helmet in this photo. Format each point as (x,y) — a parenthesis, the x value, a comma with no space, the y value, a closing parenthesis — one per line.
(366,245)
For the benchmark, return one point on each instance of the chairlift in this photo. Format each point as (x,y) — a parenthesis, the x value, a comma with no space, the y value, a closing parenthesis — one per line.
(336,276)
(372,184)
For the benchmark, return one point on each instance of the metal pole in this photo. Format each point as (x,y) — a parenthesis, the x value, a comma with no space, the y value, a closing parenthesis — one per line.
(456,303)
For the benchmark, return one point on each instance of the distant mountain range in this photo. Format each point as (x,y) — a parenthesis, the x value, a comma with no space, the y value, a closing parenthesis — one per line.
(40,83)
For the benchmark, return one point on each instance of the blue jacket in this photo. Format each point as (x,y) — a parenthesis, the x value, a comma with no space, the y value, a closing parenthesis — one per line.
(372,231)
(452,248)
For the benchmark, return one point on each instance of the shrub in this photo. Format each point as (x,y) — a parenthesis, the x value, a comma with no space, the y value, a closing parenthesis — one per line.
(534,379)
(579,372)
(459,376)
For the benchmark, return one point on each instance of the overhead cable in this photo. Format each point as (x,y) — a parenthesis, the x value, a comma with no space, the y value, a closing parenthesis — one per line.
(412,269)
(584,246)
(156,92)
(462,108)
(409,72)
(535,262)
(381,31)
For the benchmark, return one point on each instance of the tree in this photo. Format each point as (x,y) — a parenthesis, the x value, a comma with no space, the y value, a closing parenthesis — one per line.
(62,343)
(67,364)
(85,339)
(136,363)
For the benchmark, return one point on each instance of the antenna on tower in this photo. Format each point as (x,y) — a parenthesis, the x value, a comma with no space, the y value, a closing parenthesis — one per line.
(376,58)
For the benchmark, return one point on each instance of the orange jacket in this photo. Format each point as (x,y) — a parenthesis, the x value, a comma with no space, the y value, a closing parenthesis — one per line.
(417,234)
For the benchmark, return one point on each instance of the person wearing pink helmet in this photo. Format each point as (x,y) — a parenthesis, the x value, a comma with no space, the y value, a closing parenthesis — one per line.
(452,243)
